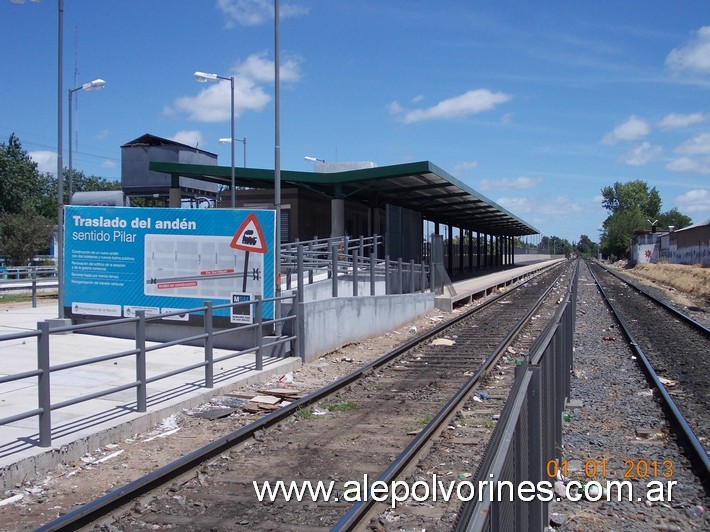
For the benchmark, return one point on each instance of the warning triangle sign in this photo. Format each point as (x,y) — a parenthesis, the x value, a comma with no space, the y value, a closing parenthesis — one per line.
(249,236)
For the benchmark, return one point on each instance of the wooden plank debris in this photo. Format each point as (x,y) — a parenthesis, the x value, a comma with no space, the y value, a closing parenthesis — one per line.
(265,399)
(289,393)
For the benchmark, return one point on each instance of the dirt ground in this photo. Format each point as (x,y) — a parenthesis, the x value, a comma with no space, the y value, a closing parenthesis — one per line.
(69,485)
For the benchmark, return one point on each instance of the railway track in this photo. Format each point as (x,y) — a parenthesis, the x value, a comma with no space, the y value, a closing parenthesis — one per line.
(370,416)
(455,454)
(673,351)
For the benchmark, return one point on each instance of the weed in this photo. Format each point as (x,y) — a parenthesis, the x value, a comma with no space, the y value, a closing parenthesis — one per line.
(9,298)
(426,419)
(338,405)
(304,413)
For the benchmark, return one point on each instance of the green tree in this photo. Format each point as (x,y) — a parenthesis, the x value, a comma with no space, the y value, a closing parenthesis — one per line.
(521,244)
(618,229)
(673,218)
(586,247)
(632,195)
(27,211)
(633,207)
(554,246)
(23,235)
(22,186)
(82,183)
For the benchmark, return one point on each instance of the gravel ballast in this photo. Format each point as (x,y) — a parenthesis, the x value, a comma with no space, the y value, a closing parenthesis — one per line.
(619,432)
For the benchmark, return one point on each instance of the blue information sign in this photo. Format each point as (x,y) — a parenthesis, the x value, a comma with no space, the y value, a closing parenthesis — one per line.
(118,260)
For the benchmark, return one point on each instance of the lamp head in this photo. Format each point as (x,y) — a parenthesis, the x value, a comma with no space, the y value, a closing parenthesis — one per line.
(204,77)
(97,84)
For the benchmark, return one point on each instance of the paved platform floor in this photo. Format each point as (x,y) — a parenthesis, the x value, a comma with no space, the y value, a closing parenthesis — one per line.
(86,426)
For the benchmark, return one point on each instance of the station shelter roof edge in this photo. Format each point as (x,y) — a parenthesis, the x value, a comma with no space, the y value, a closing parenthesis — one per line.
(419,186)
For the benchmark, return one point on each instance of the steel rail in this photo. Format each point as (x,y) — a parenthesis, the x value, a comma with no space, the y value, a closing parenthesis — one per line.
(359,511)
(699,455)
(676,313)
(501,437)
(100,507)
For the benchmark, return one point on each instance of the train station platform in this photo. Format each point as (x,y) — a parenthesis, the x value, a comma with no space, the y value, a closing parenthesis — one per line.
(86,426)
(475,285)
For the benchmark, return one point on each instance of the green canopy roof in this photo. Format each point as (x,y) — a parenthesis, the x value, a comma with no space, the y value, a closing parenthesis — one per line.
(419,186)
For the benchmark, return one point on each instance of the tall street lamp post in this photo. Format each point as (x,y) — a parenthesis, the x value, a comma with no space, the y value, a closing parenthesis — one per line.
(60,162)
(97,84)
(277,168)
(204,77)
(243,141)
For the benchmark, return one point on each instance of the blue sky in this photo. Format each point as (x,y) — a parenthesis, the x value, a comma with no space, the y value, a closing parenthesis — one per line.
(537,106)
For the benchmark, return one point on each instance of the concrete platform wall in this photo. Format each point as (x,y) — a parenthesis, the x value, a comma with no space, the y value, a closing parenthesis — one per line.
(334,322)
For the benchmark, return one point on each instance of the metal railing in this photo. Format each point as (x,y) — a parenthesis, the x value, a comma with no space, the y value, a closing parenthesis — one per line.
(317,256)
(528,437)
(27,272)
(354,261)
(30,278)
(141,353)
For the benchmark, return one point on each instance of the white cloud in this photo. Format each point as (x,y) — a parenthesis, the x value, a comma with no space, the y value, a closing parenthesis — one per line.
(518,182)
(559,207)
(463,167)
(634,128)
(109,163)
(259,68)
(190,138)
(642,154)
(697,200)
(471,102)
(693,56)
(517,205)
(46,160)
(212,103)
(395,108)
(699,145)
(686,164)
(256,12)
(676,121)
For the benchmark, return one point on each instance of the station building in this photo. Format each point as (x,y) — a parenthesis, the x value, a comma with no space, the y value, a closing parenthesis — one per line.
(401,202)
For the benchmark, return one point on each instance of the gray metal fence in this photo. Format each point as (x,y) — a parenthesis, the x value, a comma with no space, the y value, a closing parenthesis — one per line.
(32,278)
(528,437)
(354,261)
(141,352)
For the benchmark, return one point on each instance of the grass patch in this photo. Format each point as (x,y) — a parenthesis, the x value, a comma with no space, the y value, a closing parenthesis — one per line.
(426,419)
(338,405)
(9,298)
(690,279)
(461,421)
(304,413)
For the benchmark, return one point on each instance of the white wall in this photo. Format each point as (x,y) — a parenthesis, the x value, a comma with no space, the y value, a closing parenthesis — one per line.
(331,323)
